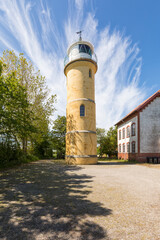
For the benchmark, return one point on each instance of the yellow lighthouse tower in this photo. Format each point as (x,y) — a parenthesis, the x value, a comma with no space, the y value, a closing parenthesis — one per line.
(80,67)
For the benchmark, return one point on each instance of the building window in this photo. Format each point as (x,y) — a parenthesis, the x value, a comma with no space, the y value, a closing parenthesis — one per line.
(90,73)
(119,134)
(82,110)
(128,131)
(124,147)
(120,148)
(128,147)
(133,147)
(123,133)
(133,129)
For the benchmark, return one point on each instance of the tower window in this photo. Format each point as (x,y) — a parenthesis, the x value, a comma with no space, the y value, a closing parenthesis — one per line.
(82,110)
(90,73)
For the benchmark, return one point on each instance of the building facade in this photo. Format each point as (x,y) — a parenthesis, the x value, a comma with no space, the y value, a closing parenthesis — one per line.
(80,68)
(138,133)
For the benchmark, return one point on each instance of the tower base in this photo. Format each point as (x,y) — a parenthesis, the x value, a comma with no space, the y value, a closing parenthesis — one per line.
(86,160)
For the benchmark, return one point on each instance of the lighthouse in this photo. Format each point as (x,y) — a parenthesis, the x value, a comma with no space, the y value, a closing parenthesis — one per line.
(80,67)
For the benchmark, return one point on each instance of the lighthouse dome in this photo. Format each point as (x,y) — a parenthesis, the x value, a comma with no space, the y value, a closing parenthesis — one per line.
(80,50)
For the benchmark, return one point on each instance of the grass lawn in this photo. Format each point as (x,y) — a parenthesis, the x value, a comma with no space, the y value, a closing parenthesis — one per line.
(114,160)
(111,160)
(122,161)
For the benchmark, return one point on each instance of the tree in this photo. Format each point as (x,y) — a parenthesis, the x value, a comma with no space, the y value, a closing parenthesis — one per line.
(15,114)
(58,135)
(41,102)
(101,137)
(16,118)
(107,142)
(44,148)
(111,142)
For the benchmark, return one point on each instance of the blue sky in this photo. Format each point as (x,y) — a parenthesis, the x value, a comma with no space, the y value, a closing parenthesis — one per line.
(125,35)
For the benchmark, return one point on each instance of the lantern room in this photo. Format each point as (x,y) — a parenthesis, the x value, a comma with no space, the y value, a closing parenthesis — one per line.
(80,50)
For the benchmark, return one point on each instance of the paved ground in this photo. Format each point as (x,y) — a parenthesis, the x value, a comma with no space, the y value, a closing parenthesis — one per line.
(44,200)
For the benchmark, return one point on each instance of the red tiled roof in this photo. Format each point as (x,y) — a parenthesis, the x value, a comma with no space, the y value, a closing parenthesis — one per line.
(141,106)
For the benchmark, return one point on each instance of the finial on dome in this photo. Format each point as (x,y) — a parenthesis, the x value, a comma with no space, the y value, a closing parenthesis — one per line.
(80,35)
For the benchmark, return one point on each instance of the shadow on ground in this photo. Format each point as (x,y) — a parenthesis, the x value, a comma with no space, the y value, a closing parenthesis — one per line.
(45,200)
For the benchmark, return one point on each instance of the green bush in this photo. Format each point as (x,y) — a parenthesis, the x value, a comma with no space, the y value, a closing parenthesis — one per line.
(11,154)
(8,152)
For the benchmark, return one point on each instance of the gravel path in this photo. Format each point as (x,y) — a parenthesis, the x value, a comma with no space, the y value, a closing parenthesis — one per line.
(47,200)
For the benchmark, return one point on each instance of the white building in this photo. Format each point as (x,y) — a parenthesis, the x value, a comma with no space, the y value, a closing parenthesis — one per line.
(139,132)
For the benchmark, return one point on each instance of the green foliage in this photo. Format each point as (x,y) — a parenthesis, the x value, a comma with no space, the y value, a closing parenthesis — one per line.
(26,107)
(54,140)
(37,99)
(107,142)
(58,136)
(111,147)
(44,148)
(101,138)
(11,155)
(15,115)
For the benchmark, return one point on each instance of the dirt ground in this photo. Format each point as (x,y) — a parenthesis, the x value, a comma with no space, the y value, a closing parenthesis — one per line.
(47,200)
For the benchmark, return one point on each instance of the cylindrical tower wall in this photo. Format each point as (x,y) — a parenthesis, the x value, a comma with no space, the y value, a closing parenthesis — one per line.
(87,122)
(79,84)
(81,141)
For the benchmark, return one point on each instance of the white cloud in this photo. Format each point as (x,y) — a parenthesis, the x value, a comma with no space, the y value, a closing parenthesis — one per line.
(117,89)
(119,64)
(18,22)
(79,4)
